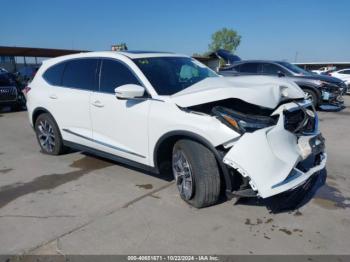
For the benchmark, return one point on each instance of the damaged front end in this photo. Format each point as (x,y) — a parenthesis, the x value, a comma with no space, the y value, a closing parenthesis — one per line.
(277,145)
(278,149)
(277,152)
(332,96)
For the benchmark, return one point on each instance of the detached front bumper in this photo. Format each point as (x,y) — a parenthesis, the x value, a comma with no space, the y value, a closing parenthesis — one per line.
(276,160)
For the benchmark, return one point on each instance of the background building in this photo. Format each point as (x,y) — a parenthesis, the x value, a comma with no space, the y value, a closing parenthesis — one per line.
(16,58)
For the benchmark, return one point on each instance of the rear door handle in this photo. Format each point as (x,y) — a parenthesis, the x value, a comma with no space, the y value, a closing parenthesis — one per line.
(97,103)
(53,96)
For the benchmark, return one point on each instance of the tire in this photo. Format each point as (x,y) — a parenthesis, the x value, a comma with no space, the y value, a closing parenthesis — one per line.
(20,105)
(313,96)
(47,130)
(204,188)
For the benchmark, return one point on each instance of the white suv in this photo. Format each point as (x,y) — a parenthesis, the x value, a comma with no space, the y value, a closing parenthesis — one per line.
(247,136)
(343,74)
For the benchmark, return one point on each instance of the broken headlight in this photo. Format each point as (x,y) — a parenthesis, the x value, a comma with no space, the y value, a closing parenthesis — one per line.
(243,122)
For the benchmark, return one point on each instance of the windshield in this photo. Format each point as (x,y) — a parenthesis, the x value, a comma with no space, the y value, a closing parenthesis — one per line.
(169,75)
(296,69)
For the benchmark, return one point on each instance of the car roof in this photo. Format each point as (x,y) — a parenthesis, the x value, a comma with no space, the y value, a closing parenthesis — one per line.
(262,61)
(144,54)
(129,54)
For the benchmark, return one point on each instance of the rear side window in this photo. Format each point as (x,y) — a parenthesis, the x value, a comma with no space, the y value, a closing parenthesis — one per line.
(53,75)
(114,74)
(249,68)
(80,74)
(346,72)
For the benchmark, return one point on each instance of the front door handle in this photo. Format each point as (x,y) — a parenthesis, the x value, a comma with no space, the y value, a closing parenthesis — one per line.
(97,103)
(53,96)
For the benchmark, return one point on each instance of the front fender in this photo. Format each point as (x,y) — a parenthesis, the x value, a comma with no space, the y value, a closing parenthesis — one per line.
(307,85)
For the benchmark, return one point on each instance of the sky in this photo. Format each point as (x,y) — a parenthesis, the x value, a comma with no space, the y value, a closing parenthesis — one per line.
(305,31)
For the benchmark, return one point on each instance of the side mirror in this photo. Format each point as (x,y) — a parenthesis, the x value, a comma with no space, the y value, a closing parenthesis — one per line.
(280,74)
(129,91)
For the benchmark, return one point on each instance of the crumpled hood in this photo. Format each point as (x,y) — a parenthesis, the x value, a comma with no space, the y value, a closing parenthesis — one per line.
(265,91)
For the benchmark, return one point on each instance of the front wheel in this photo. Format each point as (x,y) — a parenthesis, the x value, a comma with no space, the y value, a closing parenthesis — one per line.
(312,96)
(196,173)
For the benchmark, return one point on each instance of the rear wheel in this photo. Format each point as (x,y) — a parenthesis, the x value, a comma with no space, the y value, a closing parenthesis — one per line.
(48,135)
(196,173)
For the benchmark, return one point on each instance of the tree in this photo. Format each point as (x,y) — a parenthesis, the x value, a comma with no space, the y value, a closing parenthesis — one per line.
(225,38)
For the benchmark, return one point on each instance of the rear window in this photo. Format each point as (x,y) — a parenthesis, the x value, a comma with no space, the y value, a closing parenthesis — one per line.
(80,74)
(53,75)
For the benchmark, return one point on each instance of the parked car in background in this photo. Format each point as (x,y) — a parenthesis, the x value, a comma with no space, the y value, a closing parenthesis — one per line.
(328,72)
(344,75)
(26,74)
(323,90)
(248,136)
(10,92)
(324,70)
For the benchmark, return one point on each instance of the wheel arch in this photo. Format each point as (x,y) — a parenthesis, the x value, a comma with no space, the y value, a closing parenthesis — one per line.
(164,147)
(38,111)
(312,88)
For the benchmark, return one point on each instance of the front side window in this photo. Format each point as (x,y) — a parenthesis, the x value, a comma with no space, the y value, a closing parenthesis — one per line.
(80,73)
(53,75)
(169,75)
(271,69)
(114,74)
(251,68)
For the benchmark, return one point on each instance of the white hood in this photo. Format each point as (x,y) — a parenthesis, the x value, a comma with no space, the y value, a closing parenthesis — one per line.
(265,91)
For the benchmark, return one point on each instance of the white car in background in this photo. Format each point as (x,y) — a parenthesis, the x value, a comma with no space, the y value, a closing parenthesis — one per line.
(164,112)
(324,70)
(343,74)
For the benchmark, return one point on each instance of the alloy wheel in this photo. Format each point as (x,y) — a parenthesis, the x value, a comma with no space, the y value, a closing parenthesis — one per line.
(46,136)
(183,174)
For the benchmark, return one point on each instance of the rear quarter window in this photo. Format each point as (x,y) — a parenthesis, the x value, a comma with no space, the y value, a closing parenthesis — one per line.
(53,75)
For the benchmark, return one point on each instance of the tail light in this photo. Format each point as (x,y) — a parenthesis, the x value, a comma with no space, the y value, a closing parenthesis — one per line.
(26,90)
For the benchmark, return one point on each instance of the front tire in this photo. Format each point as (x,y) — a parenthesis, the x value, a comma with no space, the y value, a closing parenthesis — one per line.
(196,173)
(312,96)
(48,135)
